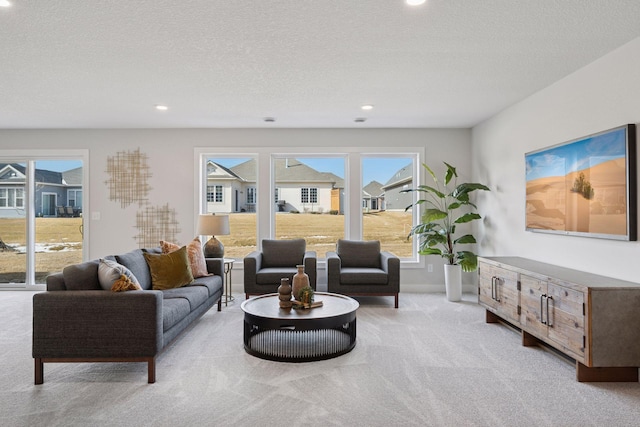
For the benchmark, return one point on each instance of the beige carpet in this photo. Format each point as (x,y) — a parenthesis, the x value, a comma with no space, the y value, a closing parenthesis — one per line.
(429,363)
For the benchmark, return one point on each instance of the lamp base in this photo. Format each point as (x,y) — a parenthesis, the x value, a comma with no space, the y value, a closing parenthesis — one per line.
(213,248)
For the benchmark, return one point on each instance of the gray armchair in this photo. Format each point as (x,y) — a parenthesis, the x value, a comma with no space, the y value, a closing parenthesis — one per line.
(278,258)
(360,268)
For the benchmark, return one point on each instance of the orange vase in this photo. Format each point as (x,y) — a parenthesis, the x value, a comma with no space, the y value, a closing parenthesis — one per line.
(300,280)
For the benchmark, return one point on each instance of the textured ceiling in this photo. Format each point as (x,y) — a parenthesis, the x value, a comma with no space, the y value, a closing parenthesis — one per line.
(308,63)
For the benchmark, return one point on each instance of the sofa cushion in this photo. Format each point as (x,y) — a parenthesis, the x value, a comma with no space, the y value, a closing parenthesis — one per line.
(272,276)
(110,271)
(135,262)
(282,253)
(173,311)
(196,295)
(212,283)
(359,253)
(170,270)
(195,253)
(363,276)
(82,277)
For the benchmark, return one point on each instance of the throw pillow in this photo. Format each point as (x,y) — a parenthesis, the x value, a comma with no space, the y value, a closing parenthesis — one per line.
(195,254)
(170,270)
(125,284)
(109,271)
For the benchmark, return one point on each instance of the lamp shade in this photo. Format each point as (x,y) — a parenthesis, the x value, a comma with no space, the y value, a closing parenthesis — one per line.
(212,225)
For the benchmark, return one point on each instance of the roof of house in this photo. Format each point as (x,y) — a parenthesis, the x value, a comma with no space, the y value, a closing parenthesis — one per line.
(373,189)
(403,176)
(72,176)
(288,170)
(42,176)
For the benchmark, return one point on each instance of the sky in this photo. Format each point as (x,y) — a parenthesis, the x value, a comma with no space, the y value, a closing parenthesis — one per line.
(576,156)
(379,169)
(58,165)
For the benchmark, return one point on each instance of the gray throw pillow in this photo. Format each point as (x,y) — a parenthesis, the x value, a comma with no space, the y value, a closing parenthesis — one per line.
(282,253)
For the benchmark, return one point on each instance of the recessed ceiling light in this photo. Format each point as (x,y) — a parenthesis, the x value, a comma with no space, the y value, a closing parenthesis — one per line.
(360,120)
(367,107)
(5,3)
(415,2)
(162,107)
(269,119)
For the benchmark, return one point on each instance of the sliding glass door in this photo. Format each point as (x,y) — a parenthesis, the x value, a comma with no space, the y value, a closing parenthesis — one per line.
(41,217)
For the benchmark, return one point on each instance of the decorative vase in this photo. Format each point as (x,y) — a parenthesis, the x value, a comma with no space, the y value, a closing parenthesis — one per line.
(300,280)
(453,281)
(284,293)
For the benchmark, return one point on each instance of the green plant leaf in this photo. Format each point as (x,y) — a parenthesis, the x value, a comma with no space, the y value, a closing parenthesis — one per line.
(430,251)
(433,175)
(467,238)
(467,260)
(467,218)
(454,205)
(451,172)
(431,215)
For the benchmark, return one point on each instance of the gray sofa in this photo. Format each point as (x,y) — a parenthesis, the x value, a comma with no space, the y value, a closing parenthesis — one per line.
(75,320)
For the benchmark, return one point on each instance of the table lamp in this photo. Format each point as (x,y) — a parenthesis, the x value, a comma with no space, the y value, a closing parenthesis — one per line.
(212,225)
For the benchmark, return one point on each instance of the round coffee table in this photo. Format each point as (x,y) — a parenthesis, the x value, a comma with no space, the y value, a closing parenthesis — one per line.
(299,335)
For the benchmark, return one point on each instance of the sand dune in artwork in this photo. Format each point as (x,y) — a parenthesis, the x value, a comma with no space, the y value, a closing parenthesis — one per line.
(551,205)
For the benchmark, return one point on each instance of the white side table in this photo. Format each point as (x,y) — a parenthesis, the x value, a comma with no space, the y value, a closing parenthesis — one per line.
(228,266)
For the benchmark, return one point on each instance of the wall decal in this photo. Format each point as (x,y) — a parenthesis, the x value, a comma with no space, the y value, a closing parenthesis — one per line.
(155,223)
(129,175)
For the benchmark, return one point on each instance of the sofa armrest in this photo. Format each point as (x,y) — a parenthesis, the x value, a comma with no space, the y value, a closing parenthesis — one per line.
(391,265)
(334,265)
(215,266)
(252,263)
(310,262)
(55,282)
(97,324)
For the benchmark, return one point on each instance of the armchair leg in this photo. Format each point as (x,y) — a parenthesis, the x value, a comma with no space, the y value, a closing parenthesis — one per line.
(397,295)
(39,371)
(151,370)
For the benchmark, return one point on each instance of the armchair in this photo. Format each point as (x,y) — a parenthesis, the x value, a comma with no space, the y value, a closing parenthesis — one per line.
(277,259)
(360,268)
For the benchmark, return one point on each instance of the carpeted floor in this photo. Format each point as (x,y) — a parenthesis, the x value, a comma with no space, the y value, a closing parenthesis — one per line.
(428,363)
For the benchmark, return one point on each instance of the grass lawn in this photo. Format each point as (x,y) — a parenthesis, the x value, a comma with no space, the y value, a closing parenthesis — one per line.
(63,238)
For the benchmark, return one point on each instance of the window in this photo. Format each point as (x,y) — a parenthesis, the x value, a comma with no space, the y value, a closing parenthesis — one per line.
(74,198)
(308,195)
(11,198)
(251,195)
(33,189)
(215,193)
(321,197)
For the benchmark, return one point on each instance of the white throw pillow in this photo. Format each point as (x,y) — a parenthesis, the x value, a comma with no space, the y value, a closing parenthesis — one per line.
(110,271)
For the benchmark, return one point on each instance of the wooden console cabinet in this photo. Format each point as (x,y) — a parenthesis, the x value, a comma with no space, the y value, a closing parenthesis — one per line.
(595,320)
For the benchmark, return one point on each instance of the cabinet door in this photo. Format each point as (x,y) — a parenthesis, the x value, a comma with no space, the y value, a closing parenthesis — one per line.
(533,312)
(566,319)
(499,291)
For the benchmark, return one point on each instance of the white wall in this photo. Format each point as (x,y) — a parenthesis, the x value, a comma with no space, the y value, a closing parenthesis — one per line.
(602,95)
(171,159)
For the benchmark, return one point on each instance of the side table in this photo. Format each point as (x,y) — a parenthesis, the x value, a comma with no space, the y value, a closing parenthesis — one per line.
(228,266)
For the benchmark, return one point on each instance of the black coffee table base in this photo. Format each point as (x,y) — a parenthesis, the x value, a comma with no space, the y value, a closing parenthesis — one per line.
(287,344)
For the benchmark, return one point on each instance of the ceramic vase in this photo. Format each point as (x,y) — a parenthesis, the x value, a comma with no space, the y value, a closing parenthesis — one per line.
(300,280)
(284,293)
(453,282)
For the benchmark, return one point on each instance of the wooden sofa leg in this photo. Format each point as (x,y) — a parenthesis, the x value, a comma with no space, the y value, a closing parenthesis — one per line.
(39,372)
(397,297)
(151,367)
(220,304)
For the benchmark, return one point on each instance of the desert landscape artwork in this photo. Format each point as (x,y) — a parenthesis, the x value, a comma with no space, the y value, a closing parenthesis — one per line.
(581,187)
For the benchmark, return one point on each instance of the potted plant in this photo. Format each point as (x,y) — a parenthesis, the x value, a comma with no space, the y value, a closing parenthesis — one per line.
(437,228)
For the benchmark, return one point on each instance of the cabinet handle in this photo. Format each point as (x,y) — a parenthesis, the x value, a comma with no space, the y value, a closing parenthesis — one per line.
(542,298)
(549,317)
(493,288)
(498,280)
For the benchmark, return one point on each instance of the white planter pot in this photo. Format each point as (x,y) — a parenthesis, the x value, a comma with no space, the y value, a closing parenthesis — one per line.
(453,282)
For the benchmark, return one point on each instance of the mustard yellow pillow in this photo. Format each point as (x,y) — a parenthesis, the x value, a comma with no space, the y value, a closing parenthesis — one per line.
(170,270)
